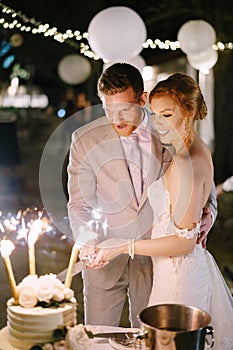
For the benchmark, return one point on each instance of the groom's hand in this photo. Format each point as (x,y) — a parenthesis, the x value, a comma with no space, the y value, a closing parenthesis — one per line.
(206,224)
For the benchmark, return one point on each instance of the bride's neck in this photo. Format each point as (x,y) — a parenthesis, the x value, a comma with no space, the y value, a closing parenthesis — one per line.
(182,150)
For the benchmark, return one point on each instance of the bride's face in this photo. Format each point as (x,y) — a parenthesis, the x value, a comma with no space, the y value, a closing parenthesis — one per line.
(167,118)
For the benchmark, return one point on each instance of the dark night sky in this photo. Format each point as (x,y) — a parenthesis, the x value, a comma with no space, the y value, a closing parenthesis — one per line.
(162,19)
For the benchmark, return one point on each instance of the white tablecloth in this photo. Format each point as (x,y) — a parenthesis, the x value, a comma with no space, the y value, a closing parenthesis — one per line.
(98,343)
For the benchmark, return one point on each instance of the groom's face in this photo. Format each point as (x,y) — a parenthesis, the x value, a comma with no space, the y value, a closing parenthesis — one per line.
(124,111)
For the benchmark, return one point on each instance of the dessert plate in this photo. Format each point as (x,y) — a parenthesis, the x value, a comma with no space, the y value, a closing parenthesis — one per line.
(122,344)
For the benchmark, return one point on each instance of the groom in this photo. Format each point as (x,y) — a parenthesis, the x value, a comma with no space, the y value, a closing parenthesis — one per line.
(108,170)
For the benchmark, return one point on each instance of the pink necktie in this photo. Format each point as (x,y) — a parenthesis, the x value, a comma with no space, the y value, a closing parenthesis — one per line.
(135,165)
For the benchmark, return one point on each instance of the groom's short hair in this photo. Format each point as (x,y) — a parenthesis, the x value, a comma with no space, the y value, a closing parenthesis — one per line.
(118,78)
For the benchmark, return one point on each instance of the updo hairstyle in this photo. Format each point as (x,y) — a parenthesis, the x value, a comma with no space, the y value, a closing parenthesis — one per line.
(184,91)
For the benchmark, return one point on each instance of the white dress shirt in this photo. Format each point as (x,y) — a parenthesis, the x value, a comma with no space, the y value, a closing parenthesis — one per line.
(144,142)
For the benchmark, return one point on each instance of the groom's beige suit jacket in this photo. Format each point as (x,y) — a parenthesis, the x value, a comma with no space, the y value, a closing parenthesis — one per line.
(98,177)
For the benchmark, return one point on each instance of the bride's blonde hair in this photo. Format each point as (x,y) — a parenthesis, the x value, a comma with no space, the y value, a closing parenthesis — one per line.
(184,91)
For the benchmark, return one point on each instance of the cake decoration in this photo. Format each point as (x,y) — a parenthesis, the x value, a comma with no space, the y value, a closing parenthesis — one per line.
(46,291)
(42,311)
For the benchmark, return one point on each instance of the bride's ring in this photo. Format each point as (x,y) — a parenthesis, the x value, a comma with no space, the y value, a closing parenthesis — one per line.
(88,259)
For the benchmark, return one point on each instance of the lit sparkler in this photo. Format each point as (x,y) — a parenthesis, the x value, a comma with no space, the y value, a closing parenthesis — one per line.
(6,247)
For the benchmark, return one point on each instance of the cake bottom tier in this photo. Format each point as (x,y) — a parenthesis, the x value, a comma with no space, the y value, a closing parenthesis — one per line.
(30,326)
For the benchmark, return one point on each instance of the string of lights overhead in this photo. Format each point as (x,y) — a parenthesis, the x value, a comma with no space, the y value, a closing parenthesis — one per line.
(11,19)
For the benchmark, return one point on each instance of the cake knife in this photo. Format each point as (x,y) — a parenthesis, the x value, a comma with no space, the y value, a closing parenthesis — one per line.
(117,335)
(78,267)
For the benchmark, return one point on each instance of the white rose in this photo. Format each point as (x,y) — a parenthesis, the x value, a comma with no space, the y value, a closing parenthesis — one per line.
(68,294)
(50,287)
(45,289)
(30,280)
(77,338)
(58,294)
(27,296)
(58,287)
(50,278)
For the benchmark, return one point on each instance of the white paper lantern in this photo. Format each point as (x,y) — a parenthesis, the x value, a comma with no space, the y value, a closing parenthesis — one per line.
(203,60)
(74,69)
(137,62)
(196,35)
(117,33)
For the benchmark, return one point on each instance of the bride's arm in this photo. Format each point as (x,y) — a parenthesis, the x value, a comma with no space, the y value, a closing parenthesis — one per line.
(185,223)
(182,242)
(165,246)
(187,203)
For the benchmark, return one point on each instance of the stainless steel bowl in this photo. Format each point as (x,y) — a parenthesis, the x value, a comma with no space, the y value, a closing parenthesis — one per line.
(174,327)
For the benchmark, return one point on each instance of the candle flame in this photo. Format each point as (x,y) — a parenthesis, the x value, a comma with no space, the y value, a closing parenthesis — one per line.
(6,247)
(96,213)
(18,216)
(26,222)
(22,232)
(105,224)
(36,229)
(105,227)
(2,228)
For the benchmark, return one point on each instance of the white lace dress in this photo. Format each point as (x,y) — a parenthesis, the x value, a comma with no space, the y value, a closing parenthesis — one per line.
(193,279)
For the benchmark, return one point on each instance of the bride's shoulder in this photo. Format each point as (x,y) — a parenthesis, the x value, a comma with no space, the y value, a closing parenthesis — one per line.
(201,157)
(200,149)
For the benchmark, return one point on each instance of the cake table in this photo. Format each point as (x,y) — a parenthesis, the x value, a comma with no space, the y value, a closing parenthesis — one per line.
(98,343)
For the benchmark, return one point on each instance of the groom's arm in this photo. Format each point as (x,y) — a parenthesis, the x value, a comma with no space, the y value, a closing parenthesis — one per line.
(208,217)
(212,204)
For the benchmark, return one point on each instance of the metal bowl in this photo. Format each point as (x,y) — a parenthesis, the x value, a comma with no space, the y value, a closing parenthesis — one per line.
(174,327)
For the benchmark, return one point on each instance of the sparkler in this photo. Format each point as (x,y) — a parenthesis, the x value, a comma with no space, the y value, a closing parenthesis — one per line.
(36,229)
(73,259)
(6,247)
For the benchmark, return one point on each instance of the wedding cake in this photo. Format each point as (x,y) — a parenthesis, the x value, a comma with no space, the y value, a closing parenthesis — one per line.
(44,304)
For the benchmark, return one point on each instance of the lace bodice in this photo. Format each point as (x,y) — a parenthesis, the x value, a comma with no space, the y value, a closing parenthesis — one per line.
(163,225)
(193,279)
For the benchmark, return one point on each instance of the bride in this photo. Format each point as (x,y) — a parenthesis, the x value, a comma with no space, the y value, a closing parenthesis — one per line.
(184,272)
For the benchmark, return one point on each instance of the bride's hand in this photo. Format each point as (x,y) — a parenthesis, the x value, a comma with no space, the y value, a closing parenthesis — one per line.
(96,264)
(111,248)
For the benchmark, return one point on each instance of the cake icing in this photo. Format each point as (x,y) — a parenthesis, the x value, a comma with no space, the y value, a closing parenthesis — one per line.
(43,304)
(30,326)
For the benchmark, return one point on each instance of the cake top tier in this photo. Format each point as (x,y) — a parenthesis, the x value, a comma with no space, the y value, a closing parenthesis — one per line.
(46,290)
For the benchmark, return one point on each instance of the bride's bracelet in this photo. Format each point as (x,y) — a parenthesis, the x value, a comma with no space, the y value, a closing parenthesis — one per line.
(131,248)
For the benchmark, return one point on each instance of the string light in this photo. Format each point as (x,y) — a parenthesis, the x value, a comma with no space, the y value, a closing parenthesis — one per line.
(74,39)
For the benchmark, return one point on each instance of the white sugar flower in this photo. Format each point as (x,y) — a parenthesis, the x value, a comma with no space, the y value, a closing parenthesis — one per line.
(57,286)
(50,278)
(46,288)
(58,295)
(77,338)
(68,294)
(27,296)
(30,280)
